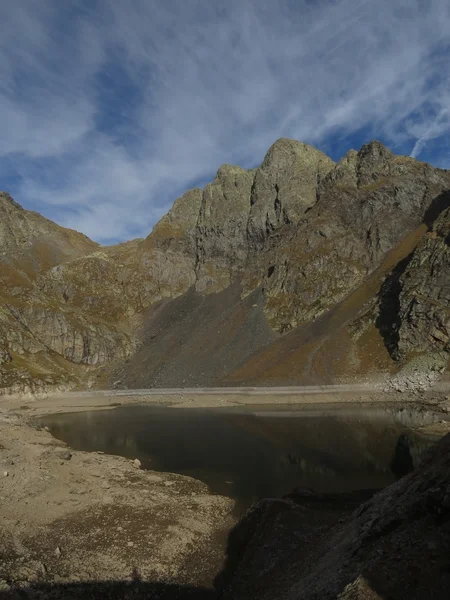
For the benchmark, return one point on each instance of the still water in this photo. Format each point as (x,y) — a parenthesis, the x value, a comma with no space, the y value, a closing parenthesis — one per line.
(254,452)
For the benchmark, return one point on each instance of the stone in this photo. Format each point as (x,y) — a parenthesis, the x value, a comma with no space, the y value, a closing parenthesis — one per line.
(58,551)
(5,356)
(137,463)
(63,453)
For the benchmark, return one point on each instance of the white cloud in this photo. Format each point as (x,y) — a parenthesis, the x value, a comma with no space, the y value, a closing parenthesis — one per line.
(211,83)
(425,130)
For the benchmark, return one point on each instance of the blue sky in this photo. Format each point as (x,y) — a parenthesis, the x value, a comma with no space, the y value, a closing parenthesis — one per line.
(109,110)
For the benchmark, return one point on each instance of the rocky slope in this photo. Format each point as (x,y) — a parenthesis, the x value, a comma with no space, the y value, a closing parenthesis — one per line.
(299,270)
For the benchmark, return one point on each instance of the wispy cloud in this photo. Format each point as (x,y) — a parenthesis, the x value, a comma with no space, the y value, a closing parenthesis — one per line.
(108,110)
(426,131)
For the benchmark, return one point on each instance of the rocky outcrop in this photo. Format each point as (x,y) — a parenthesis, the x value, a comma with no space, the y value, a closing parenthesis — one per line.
(5,356)
(221,231)
(424,301)
(365,206)
(169,254)
(284,187)
(75,338)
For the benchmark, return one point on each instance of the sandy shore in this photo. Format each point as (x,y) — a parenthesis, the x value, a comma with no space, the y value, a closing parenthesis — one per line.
(69,516)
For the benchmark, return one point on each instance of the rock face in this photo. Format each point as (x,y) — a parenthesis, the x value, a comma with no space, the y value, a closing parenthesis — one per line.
(284,187)
(305,236)
(365,205)
(424,314)
(221,231)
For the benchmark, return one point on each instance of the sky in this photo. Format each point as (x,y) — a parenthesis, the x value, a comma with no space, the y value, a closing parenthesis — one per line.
(109,110)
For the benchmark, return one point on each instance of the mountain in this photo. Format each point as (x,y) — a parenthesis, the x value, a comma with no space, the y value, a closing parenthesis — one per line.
(302,270)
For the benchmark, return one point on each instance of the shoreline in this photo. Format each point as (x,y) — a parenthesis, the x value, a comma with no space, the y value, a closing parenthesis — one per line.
(436,399)
(69,516)
(74,516)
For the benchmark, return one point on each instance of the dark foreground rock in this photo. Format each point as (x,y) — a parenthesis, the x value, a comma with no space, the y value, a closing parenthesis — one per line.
(395,546)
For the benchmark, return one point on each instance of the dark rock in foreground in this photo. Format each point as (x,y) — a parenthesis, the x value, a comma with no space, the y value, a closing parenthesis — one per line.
(395,546)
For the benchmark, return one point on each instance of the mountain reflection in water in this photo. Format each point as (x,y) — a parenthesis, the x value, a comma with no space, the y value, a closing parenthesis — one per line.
(254,452)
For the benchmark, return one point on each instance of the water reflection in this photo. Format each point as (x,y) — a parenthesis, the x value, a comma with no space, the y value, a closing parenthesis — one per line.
(249,455)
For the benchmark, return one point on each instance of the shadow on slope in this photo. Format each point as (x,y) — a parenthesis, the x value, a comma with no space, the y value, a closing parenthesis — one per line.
(195,340)
(291,358)
(388,321)
(124,590)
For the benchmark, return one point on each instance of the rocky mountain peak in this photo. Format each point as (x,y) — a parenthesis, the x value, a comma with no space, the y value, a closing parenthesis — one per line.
(373,162)
(228,171)
(375,152)
(6,201)
(286,152)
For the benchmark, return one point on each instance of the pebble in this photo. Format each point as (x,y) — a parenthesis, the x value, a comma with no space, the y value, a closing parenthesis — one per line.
(130,544)
(137,463)
(58,551)
(64,454)
(5,473)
